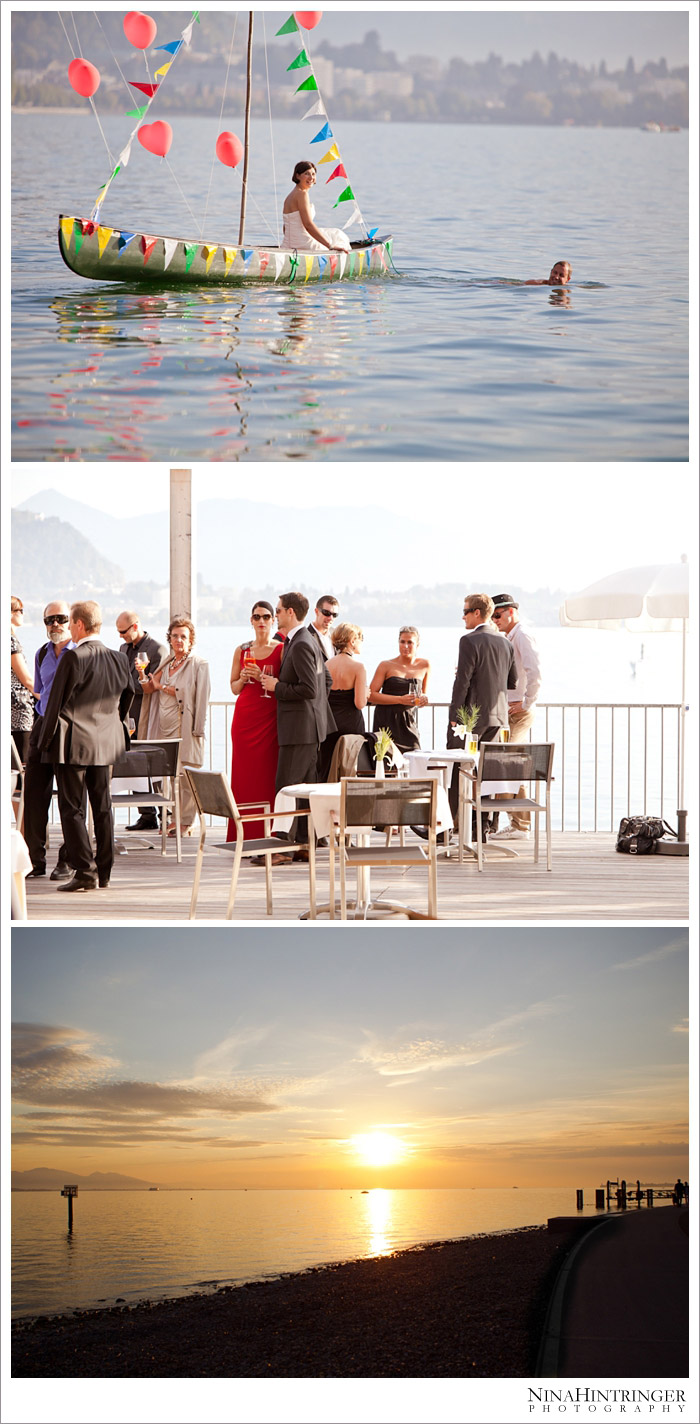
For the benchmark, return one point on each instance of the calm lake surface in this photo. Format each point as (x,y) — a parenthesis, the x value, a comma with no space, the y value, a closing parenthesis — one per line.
(157,1244)
(444,361)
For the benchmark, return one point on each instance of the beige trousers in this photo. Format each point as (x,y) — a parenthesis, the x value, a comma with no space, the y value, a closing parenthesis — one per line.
(519,724)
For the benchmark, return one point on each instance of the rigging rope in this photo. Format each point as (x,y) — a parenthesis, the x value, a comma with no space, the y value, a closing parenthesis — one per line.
(92,102)
(272,146)
(182,195)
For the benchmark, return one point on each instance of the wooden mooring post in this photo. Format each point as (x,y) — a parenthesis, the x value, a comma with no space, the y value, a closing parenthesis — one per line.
(70,1192)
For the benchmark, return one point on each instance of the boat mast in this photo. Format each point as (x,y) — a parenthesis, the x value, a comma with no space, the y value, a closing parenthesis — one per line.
(246,137)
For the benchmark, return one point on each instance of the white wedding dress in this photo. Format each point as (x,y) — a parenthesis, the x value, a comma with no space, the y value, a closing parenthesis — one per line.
(294,234)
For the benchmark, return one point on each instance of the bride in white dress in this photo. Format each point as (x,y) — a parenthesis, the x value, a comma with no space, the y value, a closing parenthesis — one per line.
(298,226)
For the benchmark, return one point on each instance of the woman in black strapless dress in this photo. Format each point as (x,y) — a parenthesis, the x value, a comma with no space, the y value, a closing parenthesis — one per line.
(398,689)
(348,695)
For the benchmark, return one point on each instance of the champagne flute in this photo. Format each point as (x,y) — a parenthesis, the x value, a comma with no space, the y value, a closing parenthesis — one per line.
(268,670)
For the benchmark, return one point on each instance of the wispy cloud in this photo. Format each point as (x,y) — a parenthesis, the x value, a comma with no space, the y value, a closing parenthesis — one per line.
(675,946)
(401,1057)
(682,1027)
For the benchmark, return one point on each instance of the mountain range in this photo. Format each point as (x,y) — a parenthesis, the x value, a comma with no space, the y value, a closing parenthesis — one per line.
(49,1179)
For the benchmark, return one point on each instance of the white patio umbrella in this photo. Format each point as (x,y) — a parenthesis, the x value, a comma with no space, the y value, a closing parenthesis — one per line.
(651,599)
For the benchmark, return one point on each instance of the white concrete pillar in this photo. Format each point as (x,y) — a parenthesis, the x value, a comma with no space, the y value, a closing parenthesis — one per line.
(183,586)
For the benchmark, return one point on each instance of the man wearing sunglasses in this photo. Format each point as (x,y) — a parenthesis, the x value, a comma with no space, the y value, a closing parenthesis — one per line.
(325,612)
(521,700)
(39,775)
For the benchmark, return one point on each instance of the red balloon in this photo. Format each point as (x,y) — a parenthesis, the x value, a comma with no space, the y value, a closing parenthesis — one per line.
(229,149)
(308,19)
(156,138)
(84,78)
(139,29)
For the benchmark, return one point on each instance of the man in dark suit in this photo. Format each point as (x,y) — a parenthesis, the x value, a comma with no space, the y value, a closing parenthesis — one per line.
(304,717)
(83,734)
(325,612)
(485,672)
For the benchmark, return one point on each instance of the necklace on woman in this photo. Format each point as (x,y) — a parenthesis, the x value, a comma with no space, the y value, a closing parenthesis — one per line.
(177,663)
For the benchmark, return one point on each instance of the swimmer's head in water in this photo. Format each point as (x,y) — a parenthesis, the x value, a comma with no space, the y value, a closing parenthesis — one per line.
(561,272)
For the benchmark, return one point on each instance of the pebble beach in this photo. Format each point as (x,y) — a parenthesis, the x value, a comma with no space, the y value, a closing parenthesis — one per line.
(472,1308)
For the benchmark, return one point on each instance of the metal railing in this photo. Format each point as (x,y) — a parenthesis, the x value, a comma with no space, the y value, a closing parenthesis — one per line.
(612,759)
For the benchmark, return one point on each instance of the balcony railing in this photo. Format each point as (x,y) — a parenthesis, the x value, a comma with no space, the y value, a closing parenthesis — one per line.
(612,759)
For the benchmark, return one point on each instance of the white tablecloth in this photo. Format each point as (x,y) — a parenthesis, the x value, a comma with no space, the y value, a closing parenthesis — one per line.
(324,799)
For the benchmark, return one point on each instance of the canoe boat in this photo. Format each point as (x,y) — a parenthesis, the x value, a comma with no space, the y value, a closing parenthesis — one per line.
(100,252)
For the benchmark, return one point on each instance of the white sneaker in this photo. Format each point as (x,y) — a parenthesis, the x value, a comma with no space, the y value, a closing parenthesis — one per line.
(509,833)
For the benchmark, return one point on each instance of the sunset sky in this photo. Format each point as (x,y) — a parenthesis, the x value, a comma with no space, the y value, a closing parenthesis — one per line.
(321,1058)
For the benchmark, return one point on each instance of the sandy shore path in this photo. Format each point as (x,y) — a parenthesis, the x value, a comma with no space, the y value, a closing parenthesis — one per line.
(471,1308)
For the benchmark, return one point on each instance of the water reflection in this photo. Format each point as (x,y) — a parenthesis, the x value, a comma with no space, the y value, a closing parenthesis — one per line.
(382,1231)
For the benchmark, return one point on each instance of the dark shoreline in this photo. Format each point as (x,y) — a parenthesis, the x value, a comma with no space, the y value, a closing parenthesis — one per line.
(472,1308)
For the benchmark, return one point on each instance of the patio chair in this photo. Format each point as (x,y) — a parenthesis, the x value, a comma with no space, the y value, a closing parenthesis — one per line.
(366,803)
(17,775)
(516,763)
(214,797)
(154,761)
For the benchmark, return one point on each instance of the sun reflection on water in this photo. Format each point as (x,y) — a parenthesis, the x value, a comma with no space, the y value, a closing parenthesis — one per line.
(379,1203)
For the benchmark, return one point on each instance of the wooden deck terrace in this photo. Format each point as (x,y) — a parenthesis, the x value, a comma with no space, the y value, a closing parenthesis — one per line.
(589,880)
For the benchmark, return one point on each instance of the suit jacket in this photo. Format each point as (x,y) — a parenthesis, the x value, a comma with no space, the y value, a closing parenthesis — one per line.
(485,671)
(303,713)
(90,696)
(315,635)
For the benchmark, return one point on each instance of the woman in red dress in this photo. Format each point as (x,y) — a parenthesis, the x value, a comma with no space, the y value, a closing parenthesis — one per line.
(254,726)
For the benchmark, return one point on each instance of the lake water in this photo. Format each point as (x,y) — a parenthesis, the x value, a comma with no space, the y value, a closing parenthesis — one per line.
(444,361)
(158,1244)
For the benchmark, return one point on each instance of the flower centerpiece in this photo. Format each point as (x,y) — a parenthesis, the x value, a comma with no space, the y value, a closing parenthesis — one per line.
(383,749)
(467,718)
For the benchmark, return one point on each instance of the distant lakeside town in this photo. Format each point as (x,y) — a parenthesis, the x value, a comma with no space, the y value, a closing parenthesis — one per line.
(367,83)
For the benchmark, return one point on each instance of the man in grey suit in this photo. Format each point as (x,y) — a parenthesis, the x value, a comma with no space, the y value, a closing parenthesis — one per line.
(83,734)
(304,717)
(485,672)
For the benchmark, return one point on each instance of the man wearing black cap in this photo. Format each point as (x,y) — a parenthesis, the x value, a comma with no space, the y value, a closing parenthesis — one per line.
(521,701)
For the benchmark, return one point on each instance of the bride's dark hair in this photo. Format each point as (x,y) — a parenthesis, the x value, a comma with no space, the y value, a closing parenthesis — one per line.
(302,167)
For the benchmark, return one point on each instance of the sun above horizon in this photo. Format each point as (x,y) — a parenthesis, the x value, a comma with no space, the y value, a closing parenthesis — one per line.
(378,1149)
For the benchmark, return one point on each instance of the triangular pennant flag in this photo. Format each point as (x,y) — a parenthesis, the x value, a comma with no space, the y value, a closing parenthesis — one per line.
(187,34)
(229,255)
(170,245)
(332,156)
(290,27)
(342,263)
(147,245)
(345,196)
(322,263)
(322,135)
(308,262)
(338,172)
(103,236)
(279,264)
(316,108)
(149,89)
(360,263)
(124,157)
(66,229)
(355,217)
(208,254)
(309,83)
(351,266)
(246,254)
(78,237)
(87,228)
(163,69)
(264,260)
(137,113)
(333,259)
(124,239)
(171,48)
(293,264)
(302,61)
(190,254)
(388,246)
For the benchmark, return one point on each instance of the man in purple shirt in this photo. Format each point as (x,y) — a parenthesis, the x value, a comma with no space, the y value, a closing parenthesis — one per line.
(38,786)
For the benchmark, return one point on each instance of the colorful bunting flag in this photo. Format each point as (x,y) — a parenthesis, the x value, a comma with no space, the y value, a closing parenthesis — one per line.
(302,61)
(190,254)
(78,237)
(308,263)
(279,264)
(148,89)
(290,27)
(147,245)
(208,255)
(66,229)
(293,264)
(103,236)
(316,108)
(388,246)
(123,159)
(309,83)
(137,113)
(322,135)
(172,47)
(124,239)
(332,156)
(87,228)
(333,259)
(264,260)
(246,254)
(338,172)
(170,246)
(342,263)
(163,69)
(372,233)
(229,255)
(345,196)
(322,263)
(351,267)
(356,217)
(360,263)
(187,32)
